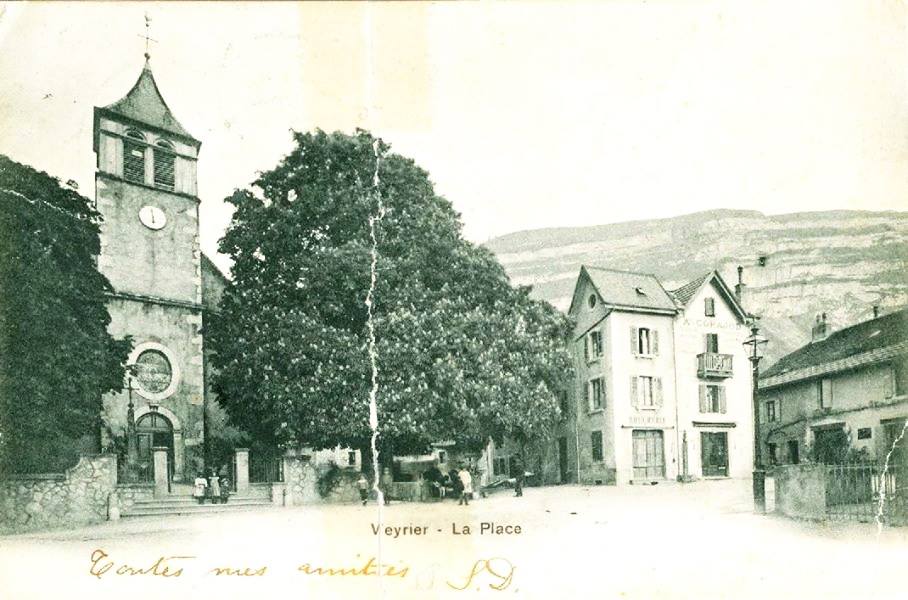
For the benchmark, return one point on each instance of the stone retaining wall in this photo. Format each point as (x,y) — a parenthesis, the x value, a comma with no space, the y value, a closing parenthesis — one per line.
(345,490)
(77,497)
(300,479)
(301,484)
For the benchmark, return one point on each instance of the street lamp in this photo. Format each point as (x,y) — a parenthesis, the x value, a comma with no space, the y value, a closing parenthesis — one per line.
(754,345)
(132,450)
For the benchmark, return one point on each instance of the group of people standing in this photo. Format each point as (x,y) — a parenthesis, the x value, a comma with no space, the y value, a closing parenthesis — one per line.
(459,481)
(214,487)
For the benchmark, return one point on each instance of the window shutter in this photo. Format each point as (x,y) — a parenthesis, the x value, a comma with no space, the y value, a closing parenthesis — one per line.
(602,388)
(634,341)
(586,347)
(654,342)
(827,392)
(635,402)
(657,392)
(722,399)
(712,342)
(890,382)
(704,407)
(586,394)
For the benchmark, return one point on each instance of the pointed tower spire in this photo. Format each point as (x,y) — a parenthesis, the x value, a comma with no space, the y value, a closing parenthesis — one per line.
(144,105)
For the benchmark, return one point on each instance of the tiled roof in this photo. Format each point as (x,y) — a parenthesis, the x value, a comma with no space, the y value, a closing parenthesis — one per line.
(630,290)
(861,339)
(684,293)
(145,104)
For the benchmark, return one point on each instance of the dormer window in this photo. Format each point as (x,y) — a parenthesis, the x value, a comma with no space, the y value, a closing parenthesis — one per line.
(163,164)
(134,156)
(640,291)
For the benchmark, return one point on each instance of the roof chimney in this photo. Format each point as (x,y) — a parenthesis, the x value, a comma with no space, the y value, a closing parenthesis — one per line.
(820,329)
(739,287)
(876,311)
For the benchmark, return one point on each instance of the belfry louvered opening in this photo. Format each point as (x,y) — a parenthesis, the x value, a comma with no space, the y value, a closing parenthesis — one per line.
(163,165)
(134,156)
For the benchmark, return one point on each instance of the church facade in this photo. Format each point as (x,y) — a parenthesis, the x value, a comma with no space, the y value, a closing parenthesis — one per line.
(163,286)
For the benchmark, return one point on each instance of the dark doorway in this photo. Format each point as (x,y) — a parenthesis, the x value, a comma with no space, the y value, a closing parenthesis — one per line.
(794,455)
(714,453)
(563,459)
(830,445)
(153,430)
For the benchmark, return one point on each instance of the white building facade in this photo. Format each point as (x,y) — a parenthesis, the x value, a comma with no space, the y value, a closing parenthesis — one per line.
(662,382)
(714,378)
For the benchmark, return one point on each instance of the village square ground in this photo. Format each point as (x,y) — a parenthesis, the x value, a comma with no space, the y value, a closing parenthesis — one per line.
(698,540)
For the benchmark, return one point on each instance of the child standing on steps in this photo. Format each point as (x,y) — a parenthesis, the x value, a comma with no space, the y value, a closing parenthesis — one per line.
(214,487)
(198,491)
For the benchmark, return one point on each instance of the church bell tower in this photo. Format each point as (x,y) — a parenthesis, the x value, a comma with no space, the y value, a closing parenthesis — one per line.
(145,190)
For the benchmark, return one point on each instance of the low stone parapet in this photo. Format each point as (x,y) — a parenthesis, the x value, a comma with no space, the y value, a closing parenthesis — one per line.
(800,491)
(79,496)
(410,491)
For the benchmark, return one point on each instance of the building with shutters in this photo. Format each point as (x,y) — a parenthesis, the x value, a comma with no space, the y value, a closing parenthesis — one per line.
(713,379)
(843,395)
(662,382)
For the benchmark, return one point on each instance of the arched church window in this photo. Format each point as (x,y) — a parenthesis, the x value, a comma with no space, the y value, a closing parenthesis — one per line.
(134,156)
(163,164)
(155,423)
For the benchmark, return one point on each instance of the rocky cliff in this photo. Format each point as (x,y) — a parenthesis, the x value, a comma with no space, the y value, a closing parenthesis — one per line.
(796,266)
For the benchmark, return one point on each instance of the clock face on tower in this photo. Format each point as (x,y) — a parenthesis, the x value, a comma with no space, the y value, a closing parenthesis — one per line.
(152,217)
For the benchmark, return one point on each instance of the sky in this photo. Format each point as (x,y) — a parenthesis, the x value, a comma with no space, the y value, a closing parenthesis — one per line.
(526,115)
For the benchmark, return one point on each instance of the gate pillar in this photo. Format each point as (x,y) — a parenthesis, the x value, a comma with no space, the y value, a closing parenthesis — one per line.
(161,475)
(242,470)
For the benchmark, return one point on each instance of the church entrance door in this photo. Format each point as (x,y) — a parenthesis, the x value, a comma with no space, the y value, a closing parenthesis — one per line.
(153,430)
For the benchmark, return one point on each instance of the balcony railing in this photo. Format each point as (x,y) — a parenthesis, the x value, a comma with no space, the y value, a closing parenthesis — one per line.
(712,364)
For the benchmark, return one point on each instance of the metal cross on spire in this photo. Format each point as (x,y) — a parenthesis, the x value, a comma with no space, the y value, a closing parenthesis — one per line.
(147,37)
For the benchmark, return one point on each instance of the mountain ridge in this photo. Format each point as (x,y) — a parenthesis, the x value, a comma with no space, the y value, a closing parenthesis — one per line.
(796,265)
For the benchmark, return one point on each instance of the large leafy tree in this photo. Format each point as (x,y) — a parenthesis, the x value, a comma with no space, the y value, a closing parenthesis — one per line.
(56,356)
(462,354)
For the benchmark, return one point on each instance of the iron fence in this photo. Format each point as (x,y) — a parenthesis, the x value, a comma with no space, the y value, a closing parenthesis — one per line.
(141,472)
(867,491)
(265,467)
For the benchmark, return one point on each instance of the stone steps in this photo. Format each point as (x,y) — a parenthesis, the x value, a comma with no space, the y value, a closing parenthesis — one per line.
(173,506)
